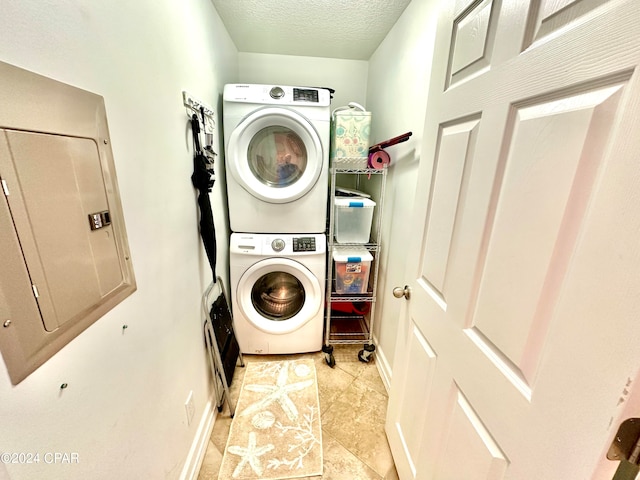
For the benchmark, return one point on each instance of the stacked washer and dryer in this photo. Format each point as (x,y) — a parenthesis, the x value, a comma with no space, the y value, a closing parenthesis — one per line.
(277,155)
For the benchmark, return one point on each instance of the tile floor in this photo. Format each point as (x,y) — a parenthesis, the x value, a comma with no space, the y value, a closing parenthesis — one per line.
(353,404)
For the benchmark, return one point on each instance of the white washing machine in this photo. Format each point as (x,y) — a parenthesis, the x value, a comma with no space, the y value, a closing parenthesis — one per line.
(277,292)
(277,157)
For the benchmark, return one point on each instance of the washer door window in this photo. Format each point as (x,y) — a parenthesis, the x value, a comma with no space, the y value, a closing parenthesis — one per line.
(275,154)
(279,295)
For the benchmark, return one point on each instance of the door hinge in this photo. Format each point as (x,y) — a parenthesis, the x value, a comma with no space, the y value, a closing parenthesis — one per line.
(5,188)
(625,448)
(35,291)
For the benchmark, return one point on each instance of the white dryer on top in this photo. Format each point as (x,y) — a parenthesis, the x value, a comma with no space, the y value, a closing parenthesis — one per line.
(277,157)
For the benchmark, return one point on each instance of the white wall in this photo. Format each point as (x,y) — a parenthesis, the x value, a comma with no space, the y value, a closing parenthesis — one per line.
(398,82)
(123,411)
(347,77)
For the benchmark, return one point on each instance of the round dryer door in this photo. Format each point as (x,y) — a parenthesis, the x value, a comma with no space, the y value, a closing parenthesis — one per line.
(275,154)
(279,295)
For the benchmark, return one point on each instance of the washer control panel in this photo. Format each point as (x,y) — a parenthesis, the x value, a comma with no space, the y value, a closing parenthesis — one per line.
(278,244)
(304,244)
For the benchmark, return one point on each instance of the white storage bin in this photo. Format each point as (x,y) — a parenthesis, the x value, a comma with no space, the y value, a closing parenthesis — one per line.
(352,268)
(353,217)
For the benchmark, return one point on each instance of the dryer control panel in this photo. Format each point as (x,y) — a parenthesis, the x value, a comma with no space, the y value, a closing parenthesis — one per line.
(277,95)
(299,94)
(305,95)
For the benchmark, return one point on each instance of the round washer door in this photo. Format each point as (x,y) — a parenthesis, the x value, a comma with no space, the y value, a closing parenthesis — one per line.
(275,154)
(278,295)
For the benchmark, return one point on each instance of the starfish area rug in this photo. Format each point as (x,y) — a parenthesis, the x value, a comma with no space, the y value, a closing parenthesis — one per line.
(276,431)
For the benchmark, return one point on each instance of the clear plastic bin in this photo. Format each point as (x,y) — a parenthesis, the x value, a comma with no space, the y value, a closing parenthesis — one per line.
(352,268)
(352,219)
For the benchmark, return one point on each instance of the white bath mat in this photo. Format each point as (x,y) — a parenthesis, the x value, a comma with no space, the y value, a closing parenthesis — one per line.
(276,431)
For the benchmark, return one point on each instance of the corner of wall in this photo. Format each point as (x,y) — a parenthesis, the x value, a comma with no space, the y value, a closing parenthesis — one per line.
(397,84)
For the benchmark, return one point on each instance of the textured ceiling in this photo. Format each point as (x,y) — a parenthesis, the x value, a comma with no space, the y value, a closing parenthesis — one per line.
(350,29)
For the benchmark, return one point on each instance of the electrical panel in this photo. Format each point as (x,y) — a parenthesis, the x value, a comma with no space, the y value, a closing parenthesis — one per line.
(65,255)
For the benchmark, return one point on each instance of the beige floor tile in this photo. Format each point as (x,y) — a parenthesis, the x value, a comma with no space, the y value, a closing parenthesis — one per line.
(211,463)
(371,378)
(340,464)
(220,432)
(356,420)
(346,357)
(331,383)
(392,474)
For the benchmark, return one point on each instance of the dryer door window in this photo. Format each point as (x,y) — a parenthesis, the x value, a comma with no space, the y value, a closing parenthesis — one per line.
(279,295)
(277,157)
(275,154)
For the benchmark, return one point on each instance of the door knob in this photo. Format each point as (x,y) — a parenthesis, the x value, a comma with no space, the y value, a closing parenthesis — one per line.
(400,292)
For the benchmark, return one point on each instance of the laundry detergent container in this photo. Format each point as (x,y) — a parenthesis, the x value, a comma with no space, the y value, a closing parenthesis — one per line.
(352,219)
(350,131)
(352,268)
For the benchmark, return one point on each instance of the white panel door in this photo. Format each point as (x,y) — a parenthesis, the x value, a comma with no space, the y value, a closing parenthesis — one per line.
(520,343)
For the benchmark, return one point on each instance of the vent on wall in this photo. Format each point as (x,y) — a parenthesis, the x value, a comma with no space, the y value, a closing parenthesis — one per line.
(65,255)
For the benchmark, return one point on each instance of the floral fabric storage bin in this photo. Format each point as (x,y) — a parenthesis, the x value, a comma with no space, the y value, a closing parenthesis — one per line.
(350,131)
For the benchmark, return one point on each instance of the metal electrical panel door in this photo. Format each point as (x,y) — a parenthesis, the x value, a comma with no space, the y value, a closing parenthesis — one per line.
(71,265)
(65,252)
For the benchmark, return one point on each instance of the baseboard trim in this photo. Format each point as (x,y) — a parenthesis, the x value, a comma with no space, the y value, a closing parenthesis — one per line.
(198,449)
(384,368)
